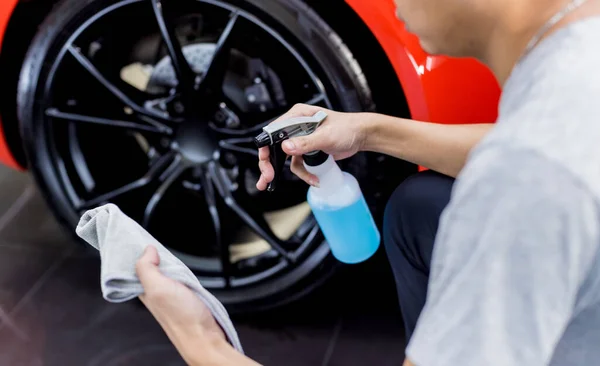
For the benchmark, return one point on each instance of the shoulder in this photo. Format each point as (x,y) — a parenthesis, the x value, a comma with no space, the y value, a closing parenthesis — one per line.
(562,67)
(511,176)
(507,191)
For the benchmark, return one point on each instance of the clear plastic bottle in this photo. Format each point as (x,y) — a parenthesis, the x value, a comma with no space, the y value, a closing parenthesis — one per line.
(341,210)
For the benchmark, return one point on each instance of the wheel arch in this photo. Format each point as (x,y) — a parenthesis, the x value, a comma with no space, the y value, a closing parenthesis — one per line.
(19,21)
(437,89)
(387,92)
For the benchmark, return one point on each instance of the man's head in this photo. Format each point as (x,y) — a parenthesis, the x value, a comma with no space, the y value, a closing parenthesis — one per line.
(465,28)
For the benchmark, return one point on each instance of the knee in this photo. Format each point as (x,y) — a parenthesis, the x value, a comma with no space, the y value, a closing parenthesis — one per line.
(404,198)
(407,198)
(416,205)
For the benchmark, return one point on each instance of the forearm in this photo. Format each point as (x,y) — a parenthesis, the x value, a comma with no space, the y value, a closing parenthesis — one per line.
(440,147)
(212,351)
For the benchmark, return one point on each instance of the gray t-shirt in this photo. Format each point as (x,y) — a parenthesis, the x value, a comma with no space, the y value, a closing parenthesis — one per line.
(515,276)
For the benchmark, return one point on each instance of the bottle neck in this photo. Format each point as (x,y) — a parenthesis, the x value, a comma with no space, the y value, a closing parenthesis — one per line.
(329,173)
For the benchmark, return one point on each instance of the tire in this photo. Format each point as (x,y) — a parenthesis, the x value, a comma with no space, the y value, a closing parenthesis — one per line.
(291,19)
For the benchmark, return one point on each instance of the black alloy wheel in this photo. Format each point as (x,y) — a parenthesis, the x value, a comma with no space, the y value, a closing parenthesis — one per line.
(153,105)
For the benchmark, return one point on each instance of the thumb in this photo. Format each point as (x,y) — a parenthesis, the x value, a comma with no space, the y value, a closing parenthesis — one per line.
(150,255)
(303,144)
(147,267)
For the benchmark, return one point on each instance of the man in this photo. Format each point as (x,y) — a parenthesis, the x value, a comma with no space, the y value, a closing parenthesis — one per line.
(512,274)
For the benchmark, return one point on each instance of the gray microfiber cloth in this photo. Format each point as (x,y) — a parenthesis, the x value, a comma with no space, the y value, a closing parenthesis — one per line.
(121,242)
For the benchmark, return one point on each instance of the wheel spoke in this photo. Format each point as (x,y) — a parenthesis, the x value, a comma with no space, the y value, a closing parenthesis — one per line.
(112,88)
(153,173)
(166,179)
(183,70)
(316,99)
(215,73)
(240,145)
(253,219)
(245,146)
(132,126)
(211,202)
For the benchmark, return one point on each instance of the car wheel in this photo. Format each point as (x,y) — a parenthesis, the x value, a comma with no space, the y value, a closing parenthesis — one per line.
(153,106)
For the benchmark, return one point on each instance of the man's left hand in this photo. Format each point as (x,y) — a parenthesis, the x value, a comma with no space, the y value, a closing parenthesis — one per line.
(185,319)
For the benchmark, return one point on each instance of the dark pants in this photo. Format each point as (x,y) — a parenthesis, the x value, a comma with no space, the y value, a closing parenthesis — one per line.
(410,225)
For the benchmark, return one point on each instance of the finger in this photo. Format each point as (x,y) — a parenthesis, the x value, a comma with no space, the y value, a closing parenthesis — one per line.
(263,154)
(318,140)
(298,145)
(261,184)
(305,144)
(147,269)
(299,170)
(299,110)
(150,255)
(268,173)
(267,170)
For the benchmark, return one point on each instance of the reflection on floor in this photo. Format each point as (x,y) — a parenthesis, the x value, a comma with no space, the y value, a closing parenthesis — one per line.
(52,312)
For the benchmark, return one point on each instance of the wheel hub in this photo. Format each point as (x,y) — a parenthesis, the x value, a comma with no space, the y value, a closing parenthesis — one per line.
(195,142)
(193,139)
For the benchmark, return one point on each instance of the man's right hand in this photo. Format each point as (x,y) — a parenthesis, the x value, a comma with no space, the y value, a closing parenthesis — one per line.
(341,135)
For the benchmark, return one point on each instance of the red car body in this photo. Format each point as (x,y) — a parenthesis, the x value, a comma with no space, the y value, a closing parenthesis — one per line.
(437,89)
(6,157)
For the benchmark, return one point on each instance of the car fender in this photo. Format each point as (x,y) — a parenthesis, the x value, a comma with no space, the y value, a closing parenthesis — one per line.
(437,89)
(6,10)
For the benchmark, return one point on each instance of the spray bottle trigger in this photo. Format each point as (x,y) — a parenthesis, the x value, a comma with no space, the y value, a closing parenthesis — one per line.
(278,158)
(276,132)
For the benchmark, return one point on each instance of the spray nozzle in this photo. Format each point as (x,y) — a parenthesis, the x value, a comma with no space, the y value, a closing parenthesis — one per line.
(277,132)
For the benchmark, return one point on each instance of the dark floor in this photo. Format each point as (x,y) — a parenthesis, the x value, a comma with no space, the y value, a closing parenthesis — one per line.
(52,312)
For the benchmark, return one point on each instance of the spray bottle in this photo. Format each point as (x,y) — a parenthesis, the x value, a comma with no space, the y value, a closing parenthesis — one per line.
(338,203)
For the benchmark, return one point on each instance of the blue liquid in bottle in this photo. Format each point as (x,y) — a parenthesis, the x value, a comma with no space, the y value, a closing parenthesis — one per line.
(342,213)
(350,231)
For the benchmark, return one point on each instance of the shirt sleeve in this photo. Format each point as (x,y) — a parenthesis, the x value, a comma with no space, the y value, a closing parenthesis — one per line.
(513,248)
